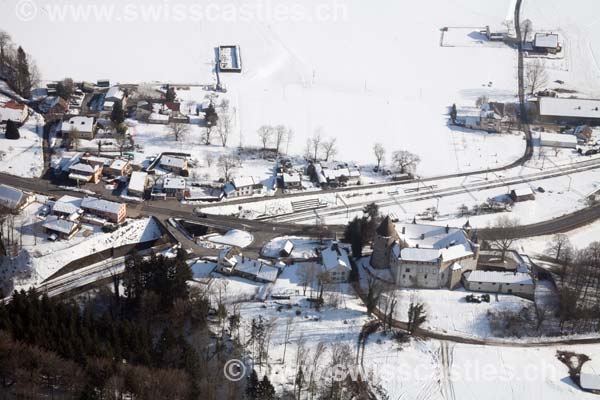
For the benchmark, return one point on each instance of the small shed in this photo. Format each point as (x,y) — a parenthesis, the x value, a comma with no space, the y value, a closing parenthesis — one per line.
(522,194)
(287,249)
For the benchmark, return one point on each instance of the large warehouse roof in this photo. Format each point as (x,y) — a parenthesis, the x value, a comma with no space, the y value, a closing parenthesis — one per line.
(557,107)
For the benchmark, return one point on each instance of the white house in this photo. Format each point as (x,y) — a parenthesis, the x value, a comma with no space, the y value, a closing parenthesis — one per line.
(114,94)
(174,186)
(336,263)
(245,186)
(173,164)
(519,283)
(14,199)
(546,42)
(80,127)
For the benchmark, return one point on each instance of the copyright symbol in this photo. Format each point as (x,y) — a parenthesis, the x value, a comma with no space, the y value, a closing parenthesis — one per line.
(234,370)
(26,10)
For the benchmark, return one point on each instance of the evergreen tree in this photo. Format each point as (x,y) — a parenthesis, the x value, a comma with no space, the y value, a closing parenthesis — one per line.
(265,390)
(23,72)
(12,131)
(453,113)
(117,116)
(252,386)
(416,316)
(170,96)
(210,116)
(353,234)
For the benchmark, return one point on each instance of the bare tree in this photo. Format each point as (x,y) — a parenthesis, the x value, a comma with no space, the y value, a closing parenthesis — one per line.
(288,139)
(379,152)
(481,100)
(227,164)
(307,272)
(536,76)
(224,128)
(314,143)
(526,29)
(265,133)
(504,229)
(329,148)
(179,130)
(559,247)
(405,161)
(280,134)
(210,159)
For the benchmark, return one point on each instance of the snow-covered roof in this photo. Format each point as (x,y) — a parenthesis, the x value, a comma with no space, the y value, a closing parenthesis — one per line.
(84,168)
(119,164)
(97,160)
(500,277)
(247,266)
(174,183)
(243,181)
(291,178)
(114,93)
(546,40)
(12,111)
(158,117)
(334,257)
(288,246)
(171,161)
(560,107)
(10,197)
(67,205)
(589,381)
(82,124)
(95,204)
(547,137)
(433,242)
(268,273)
(137,181)
(53,223)
(523,191)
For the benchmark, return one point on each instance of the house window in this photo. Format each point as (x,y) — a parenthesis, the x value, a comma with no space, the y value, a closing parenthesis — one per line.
(403,276)
(425,276)
(407,270)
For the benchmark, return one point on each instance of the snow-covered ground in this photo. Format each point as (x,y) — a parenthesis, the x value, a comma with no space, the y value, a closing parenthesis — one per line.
(233,237)
(40,257)
(396,92)
(24,157)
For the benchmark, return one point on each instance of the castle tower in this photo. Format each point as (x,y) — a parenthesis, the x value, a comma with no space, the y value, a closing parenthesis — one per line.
(385,236)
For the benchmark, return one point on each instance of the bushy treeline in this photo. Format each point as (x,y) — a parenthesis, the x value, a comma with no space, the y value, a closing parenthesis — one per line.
(17,67)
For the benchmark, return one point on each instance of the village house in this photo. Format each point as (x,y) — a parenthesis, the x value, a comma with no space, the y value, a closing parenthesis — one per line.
(79,128)
(231,261)
(291,181)
(67,207)
(53,105)
(336,264)
(138,183)
(12,111)
(85,172)
(118,168)
(109,210)
(423,256)
(517,283)
(60,228)
(242,186)
(176,165)
(113,95)
(174,187)
(14,199)
(569,111)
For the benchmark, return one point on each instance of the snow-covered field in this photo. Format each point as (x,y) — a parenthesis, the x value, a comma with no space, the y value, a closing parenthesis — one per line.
(358,76)
(24,157)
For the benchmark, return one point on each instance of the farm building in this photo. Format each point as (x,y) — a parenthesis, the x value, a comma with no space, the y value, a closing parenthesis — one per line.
(569,111)
(564,140)
(173,164)
(546,42)
(518,283)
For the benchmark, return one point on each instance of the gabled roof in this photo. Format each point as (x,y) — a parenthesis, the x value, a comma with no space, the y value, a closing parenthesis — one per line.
(82,124)
(500,277)
(10,197)
(335,257)
(95,204)
(53,223)
(171,161)
(243,181)
(546,40)
(560,107)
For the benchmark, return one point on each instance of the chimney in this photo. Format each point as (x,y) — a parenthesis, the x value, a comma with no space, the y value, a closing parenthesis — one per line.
(403,230)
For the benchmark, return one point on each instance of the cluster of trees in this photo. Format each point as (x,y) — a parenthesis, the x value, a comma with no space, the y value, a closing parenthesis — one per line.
(17,67)
(361,231)
(317,144)
(403,161)
(275,136)
(259,389)
(150,342)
